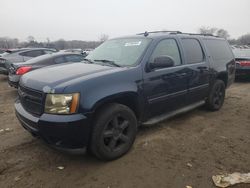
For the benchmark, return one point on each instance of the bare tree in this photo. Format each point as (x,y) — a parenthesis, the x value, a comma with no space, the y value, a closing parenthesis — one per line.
(207,30)
(222,33)
(214,31)
(30,39)
(60,44)
(244,39)
(103,37)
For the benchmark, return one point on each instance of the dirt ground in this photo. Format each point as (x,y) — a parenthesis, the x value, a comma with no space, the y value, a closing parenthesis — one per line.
(211,142)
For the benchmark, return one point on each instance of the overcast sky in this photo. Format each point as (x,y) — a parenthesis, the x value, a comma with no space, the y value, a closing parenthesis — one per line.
(88,19)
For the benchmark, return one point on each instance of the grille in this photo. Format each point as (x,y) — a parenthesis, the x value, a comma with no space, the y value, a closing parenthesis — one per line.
(31,100)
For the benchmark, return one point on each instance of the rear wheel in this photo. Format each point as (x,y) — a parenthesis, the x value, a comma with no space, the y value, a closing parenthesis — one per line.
(114,132)
(216,96)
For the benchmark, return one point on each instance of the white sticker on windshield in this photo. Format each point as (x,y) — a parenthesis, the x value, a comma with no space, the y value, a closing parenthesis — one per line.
(138,43)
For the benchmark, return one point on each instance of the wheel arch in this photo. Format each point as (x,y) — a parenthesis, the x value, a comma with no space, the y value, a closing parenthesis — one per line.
(224,77)
(129,99)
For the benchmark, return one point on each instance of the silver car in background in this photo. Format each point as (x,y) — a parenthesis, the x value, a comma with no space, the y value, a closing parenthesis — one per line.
(21,55)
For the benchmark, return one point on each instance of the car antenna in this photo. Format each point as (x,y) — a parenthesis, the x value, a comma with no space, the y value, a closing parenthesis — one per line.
(145,34)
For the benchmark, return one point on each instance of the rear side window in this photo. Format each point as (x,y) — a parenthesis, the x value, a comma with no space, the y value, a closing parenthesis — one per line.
(74,58)
(193,51)
(167,47)
(219,50)
(33,53)
(59,60)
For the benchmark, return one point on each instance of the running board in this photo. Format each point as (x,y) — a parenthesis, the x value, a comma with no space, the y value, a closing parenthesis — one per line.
(171,114)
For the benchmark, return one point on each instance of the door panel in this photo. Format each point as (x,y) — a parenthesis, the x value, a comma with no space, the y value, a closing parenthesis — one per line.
(166,88)
(198,69)
(198,84)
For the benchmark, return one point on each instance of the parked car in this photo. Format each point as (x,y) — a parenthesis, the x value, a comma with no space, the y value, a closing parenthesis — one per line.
(21,55)
(80,51)
(242,57)
(1,51)
(16,70)
(124,83)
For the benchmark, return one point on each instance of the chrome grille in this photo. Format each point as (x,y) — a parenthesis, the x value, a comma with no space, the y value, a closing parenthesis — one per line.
(31,100)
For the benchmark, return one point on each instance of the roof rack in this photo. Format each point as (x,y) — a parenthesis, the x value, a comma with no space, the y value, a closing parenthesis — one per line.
(200,34)
(146,33)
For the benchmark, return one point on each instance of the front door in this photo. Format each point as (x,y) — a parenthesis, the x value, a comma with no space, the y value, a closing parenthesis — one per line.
(166,88)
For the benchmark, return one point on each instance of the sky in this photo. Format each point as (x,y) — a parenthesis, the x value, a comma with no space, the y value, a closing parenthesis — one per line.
(89,19)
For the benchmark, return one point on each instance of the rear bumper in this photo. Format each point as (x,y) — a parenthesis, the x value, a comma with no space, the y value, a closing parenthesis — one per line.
(13,80)
(64,132)
(3,71)
(242,71)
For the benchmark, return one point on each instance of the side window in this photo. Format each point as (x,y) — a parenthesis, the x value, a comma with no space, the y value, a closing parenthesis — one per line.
(59,60)
(193,51)
(74,58)
(219,49)
(167,47)
(33,53)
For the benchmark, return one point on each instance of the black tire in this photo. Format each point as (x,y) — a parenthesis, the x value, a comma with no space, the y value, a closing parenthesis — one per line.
(114,132)
(216,96)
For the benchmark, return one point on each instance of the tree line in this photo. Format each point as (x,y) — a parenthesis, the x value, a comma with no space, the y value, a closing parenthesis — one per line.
(242,40)
(7,43)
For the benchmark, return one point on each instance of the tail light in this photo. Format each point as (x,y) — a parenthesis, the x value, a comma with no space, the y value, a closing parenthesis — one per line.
(245,63)
(23,70)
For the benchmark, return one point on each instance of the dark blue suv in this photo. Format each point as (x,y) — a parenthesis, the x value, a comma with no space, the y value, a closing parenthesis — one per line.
(124,83)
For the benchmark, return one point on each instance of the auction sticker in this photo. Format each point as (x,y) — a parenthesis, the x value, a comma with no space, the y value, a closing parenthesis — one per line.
(138,43)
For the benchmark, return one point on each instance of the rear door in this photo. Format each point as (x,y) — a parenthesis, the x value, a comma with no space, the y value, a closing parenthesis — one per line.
(166,88)
(198,69)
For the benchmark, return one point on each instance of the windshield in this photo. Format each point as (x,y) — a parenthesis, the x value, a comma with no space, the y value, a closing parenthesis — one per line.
(123,52)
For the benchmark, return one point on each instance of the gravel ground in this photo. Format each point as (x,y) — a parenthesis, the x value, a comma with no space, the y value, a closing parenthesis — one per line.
(186,150)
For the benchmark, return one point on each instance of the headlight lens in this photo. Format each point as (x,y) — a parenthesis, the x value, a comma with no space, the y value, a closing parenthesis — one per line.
(61,103)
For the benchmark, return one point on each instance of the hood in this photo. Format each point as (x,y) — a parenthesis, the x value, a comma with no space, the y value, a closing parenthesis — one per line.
(55,77)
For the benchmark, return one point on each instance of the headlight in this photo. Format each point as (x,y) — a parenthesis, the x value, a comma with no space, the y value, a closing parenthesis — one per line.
(61,103)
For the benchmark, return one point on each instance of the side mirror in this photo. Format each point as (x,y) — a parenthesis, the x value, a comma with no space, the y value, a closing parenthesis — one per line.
(162,62)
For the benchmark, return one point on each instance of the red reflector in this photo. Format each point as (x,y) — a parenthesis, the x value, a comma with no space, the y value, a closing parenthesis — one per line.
(245,63)
(23,70)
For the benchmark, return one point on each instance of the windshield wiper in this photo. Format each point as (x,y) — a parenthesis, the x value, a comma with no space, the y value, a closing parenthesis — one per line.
(88,60)
(107,61)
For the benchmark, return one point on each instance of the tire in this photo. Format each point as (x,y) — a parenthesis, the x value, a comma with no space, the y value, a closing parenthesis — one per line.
(114,132)
(216,96)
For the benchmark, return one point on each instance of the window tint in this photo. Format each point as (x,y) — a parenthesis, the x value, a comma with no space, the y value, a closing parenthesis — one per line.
(74,58)
(167,47)
(192,50)
(219,49)
(59,60)
(33,53)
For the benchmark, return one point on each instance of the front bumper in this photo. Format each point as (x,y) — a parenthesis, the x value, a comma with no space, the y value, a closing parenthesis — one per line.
(67,132)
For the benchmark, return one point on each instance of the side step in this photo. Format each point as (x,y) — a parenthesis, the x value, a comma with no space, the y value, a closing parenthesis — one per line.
(171,114)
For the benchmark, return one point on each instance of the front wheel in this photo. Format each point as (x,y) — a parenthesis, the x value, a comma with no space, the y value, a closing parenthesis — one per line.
(216,96)
(114,132)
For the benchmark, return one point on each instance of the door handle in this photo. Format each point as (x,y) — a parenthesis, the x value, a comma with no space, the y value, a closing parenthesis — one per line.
(203,69)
